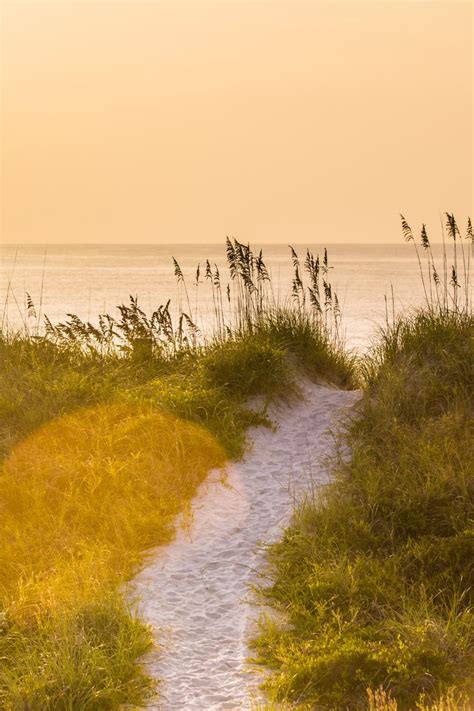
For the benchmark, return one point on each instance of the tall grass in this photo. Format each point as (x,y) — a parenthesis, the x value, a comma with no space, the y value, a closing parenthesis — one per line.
(106,430)
(374,577)
(242,301)
(446,286)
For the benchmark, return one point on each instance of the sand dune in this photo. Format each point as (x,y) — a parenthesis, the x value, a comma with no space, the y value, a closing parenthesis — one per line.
(194,591)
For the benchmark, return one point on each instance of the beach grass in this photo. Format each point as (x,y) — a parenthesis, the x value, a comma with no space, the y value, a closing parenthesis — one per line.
(106,431)
(373,580)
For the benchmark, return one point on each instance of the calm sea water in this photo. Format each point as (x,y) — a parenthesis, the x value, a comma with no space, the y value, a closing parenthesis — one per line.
(91,279)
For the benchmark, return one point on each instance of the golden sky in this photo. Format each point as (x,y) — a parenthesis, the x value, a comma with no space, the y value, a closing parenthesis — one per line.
(130,121)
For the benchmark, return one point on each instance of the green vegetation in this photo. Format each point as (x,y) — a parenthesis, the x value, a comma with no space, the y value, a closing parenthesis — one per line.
(374,578)
(106,430)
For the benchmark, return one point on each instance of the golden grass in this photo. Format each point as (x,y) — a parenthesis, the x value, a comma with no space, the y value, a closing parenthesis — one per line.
(80,500)
(380,700)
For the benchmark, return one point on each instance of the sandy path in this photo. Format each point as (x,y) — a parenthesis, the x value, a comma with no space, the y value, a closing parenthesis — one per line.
(192,592)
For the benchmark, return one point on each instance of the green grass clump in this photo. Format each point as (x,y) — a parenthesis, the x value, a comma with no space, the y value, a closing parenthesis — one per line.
(309,347)
(80,657)
(375,578)
(246,367)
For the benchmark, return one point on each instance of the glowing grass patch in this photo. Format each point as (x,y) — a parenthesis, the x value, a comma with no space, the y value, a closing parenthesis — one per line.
(81,499)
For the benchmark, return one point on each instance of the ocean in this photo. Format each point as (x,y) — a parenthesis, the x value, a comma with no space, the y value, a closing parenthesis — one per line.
(90,279)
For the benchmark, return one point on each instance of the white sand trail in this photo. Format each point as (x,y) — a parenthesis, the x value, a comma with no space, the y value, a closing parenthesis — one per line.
(194,590)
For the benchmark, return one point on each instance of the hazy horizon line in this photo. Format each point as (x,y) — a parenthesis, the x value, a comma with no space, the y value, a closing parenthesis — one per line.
(206,244)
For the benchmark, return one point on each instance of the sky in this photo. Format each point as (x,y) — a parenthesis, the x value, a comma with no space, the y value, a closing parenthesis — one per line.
(182,122)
